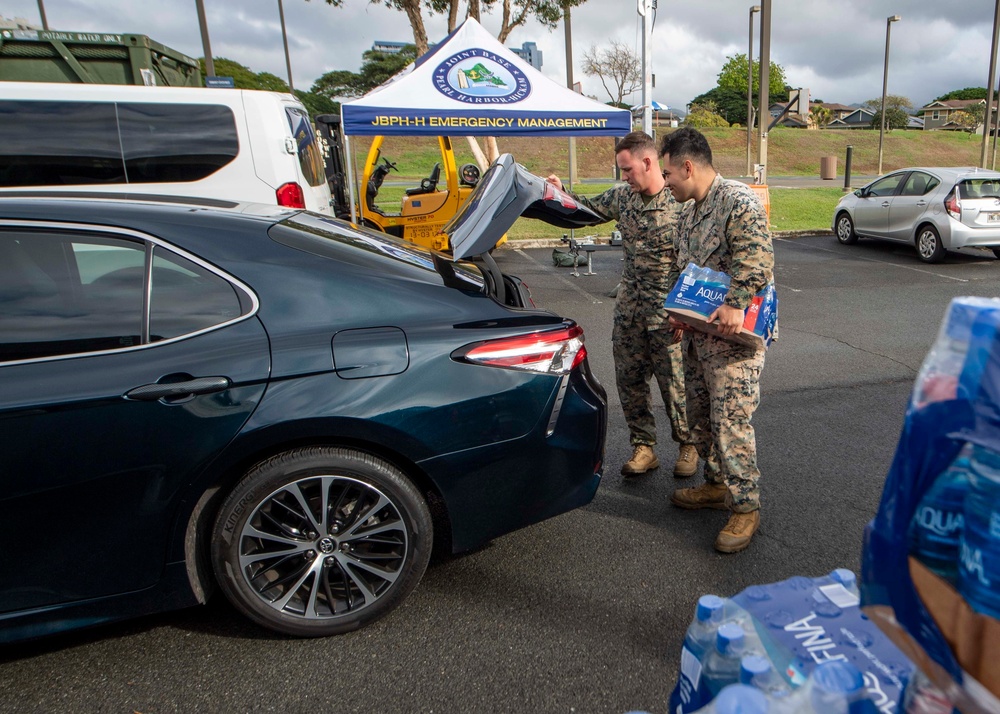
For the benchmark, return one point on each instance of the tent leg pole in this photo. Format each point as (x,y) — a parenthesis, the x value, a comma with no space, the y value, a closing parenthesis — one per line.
(350,174)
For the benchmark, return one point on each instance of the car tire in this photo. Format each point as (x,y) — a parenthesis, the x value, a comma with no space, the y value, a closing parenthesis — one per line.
(845,230)
(996,252)
(930,249)
(291,569)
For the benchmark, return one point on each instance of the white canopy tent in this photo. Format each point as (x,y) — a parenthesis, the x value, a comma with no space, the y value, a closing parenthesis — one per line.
(471,85)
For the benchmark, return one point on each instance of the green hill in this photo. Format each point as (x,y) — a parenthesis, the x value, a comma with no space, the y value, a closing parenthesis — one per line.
(791,152)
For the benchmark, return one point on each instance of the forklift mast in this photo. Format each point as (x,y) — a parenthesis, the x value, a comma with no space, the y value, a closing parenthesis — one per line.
(330,129)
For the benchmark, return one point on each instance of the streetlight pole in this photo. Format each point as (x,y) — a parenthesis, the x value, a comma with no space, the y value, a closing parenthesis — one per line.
(209,64)
(753,9)
(284,39)
(41,11)
(988,117)
(763,97)
(645,9)
(885,81)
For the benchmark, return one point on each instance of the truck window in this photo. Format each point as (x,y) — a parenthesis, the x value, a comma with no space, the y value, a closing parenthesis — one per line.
(53,143)
(170,143)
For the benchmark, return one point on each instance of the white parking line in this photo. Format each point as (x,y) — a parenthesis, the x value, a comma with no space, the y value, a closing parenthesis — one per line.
(576,288)
(873,260)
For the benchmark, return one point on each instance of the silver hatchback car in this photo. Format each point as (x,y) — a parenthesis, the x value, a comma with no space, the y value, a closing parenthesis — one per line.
(936,209)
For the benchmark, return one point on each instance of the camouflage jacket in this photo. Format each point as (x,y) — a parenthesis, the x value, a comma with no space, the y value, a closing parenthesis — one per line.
(648,243)
(727,232)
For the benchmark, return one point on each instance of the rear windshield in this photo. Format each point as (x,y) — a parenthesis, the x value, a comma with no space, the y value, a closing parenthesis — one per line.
(60,143)
(979,188)
(310,155)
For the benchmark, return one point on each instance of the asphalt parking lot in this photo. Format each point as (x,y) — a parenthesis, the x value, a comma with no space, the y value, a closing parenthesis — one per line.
(585,612)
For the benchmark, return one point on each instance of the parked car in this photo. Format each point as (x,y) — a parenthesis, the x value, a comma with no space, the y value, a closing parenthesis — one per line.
(936,209)
(282,403)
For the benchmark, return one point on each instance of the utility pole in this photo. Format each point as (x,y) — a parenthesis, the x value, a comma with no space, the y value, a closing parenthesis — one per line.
(41,11)
(284,39)
(645,9)
(763,99)
(988,117)
(885,83)
(209,64)
(753,9)
(569,83)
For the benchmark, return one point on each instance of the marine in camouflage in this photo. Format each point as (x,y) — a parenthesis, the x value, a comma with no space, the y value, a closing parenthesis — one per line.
(727,232)
(641,338)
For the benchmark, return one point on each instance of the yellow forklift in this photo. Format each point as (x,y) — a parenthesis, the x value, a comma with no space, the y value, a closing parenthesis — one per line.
(424,209)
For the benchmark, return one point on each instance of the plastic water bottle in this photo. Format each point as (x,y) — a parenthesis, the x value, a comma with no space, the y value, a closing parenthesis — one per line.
(979,565)
(939,520)
(698,641)
(758,672)
(738,699)
(848,579)
(722,665)
(922,697)
(837,687)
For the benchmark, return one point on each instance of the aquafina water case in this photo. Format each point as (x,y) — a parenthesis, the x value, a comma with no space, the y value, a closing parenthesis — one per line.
(979,566)
(938,523)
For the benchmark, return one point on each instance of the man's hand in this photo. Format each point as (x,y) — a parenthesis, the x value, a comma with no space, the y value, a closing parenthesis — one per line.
(555,181)
(678,327)
(729,318)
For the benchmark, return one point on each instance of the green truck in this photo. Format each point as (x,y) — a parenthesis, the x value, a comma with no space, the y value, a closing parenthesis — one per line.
(92,57)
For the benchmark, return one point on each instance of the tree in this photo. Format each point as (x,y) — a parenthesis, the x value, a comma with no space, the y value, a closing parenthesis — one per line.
(618,68)
(376,68)
(734,77)
(705,115)
(244,77)
(895,118)
(317,103)
(967,93)
(820,116)
(892,101)
(729,104)
(970,118)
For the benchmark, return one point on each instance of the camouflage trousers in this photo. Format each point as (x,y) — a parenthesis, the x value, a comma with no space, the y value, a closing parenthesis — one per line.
(723,390)
(639,355)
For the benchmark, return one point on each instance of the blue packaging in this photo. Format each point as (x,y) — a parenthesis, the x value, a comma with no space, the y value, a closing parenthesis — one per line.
(956,399)
(803,622)
(698,292)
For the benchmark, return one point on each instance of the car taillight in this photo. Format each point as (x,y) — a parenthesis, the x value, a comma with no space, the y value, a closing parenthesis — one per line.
(290,195)
(953,205)
(552,352)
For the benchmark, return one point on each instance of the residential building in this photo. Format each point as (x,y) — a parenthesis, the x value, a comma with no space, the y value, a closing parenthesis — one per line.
(940,114)
(530,53)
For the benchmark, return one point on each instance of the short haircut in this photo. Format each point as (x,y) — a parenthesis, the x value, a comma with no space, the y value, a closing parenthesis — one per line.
(687,144)
(638,142)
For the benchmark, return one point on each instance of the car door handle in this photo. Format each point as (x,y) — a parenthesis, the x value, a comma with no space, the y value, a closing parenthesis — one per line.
(885,204)
(921,203)
(171,390)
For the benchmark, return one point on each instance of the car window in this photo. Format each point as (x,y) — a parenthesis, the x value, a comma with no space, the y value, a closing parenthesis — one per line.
(176,142)
(310,154)
(979,188)
(186,297)
(67,293)
(886,186)
(53,143)
(919,184)
(62,294)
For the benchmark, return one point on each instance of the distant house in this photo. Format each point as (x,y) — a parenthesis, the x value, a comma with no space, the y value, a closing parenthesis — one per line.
(799,122)
(859,118)
(839,110)
(940,115)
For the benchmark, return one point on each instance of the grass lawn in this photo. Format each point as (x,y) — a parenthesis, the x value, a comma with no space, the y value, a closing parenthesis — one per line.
(792,209)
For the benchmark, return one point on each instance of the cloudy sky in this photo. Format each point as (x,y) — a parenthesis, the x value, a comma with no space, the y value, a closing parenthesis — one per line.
(833,47)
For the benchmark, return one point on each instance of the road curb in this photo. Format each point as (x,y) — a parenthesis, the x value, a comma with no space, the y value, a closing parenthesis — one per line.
(557,242)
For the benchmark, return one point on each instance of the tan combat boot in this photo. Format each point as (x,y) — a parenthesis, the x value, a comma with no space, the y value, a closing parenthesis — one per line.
(708,495)
(687,462)
(643,460)
(738,532)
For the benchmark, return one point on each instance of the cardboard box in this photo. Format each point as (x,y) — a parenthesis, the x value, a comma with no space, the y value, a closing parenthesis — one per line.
(698,322)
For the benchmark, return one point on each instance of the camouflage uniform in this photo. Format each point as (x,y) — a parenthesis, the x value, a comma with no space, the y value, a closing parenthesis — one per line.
(727,232)
(641,341)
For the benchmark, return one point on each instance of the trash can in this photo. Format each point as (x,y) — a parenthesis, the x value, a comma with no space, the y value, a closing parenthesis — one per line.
(765,198)
(828,167)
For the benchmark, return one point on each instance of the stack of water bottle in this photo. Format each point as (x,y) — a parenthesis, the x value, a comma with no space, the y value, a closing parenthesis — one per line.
(795,646)
(956,529)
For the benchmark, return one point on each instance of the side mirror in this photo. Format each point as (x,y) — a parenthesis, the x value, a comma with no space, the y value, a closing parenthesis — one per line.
(861,193)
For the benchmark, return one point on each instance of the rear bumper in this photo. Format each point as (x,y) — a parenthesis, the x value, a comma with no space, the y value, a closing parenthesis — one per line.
(500,487)
(962,236)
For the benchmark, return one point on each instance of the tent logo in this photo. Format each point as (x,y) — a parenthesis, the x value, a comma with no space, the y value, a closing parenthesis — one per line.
(477,76)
